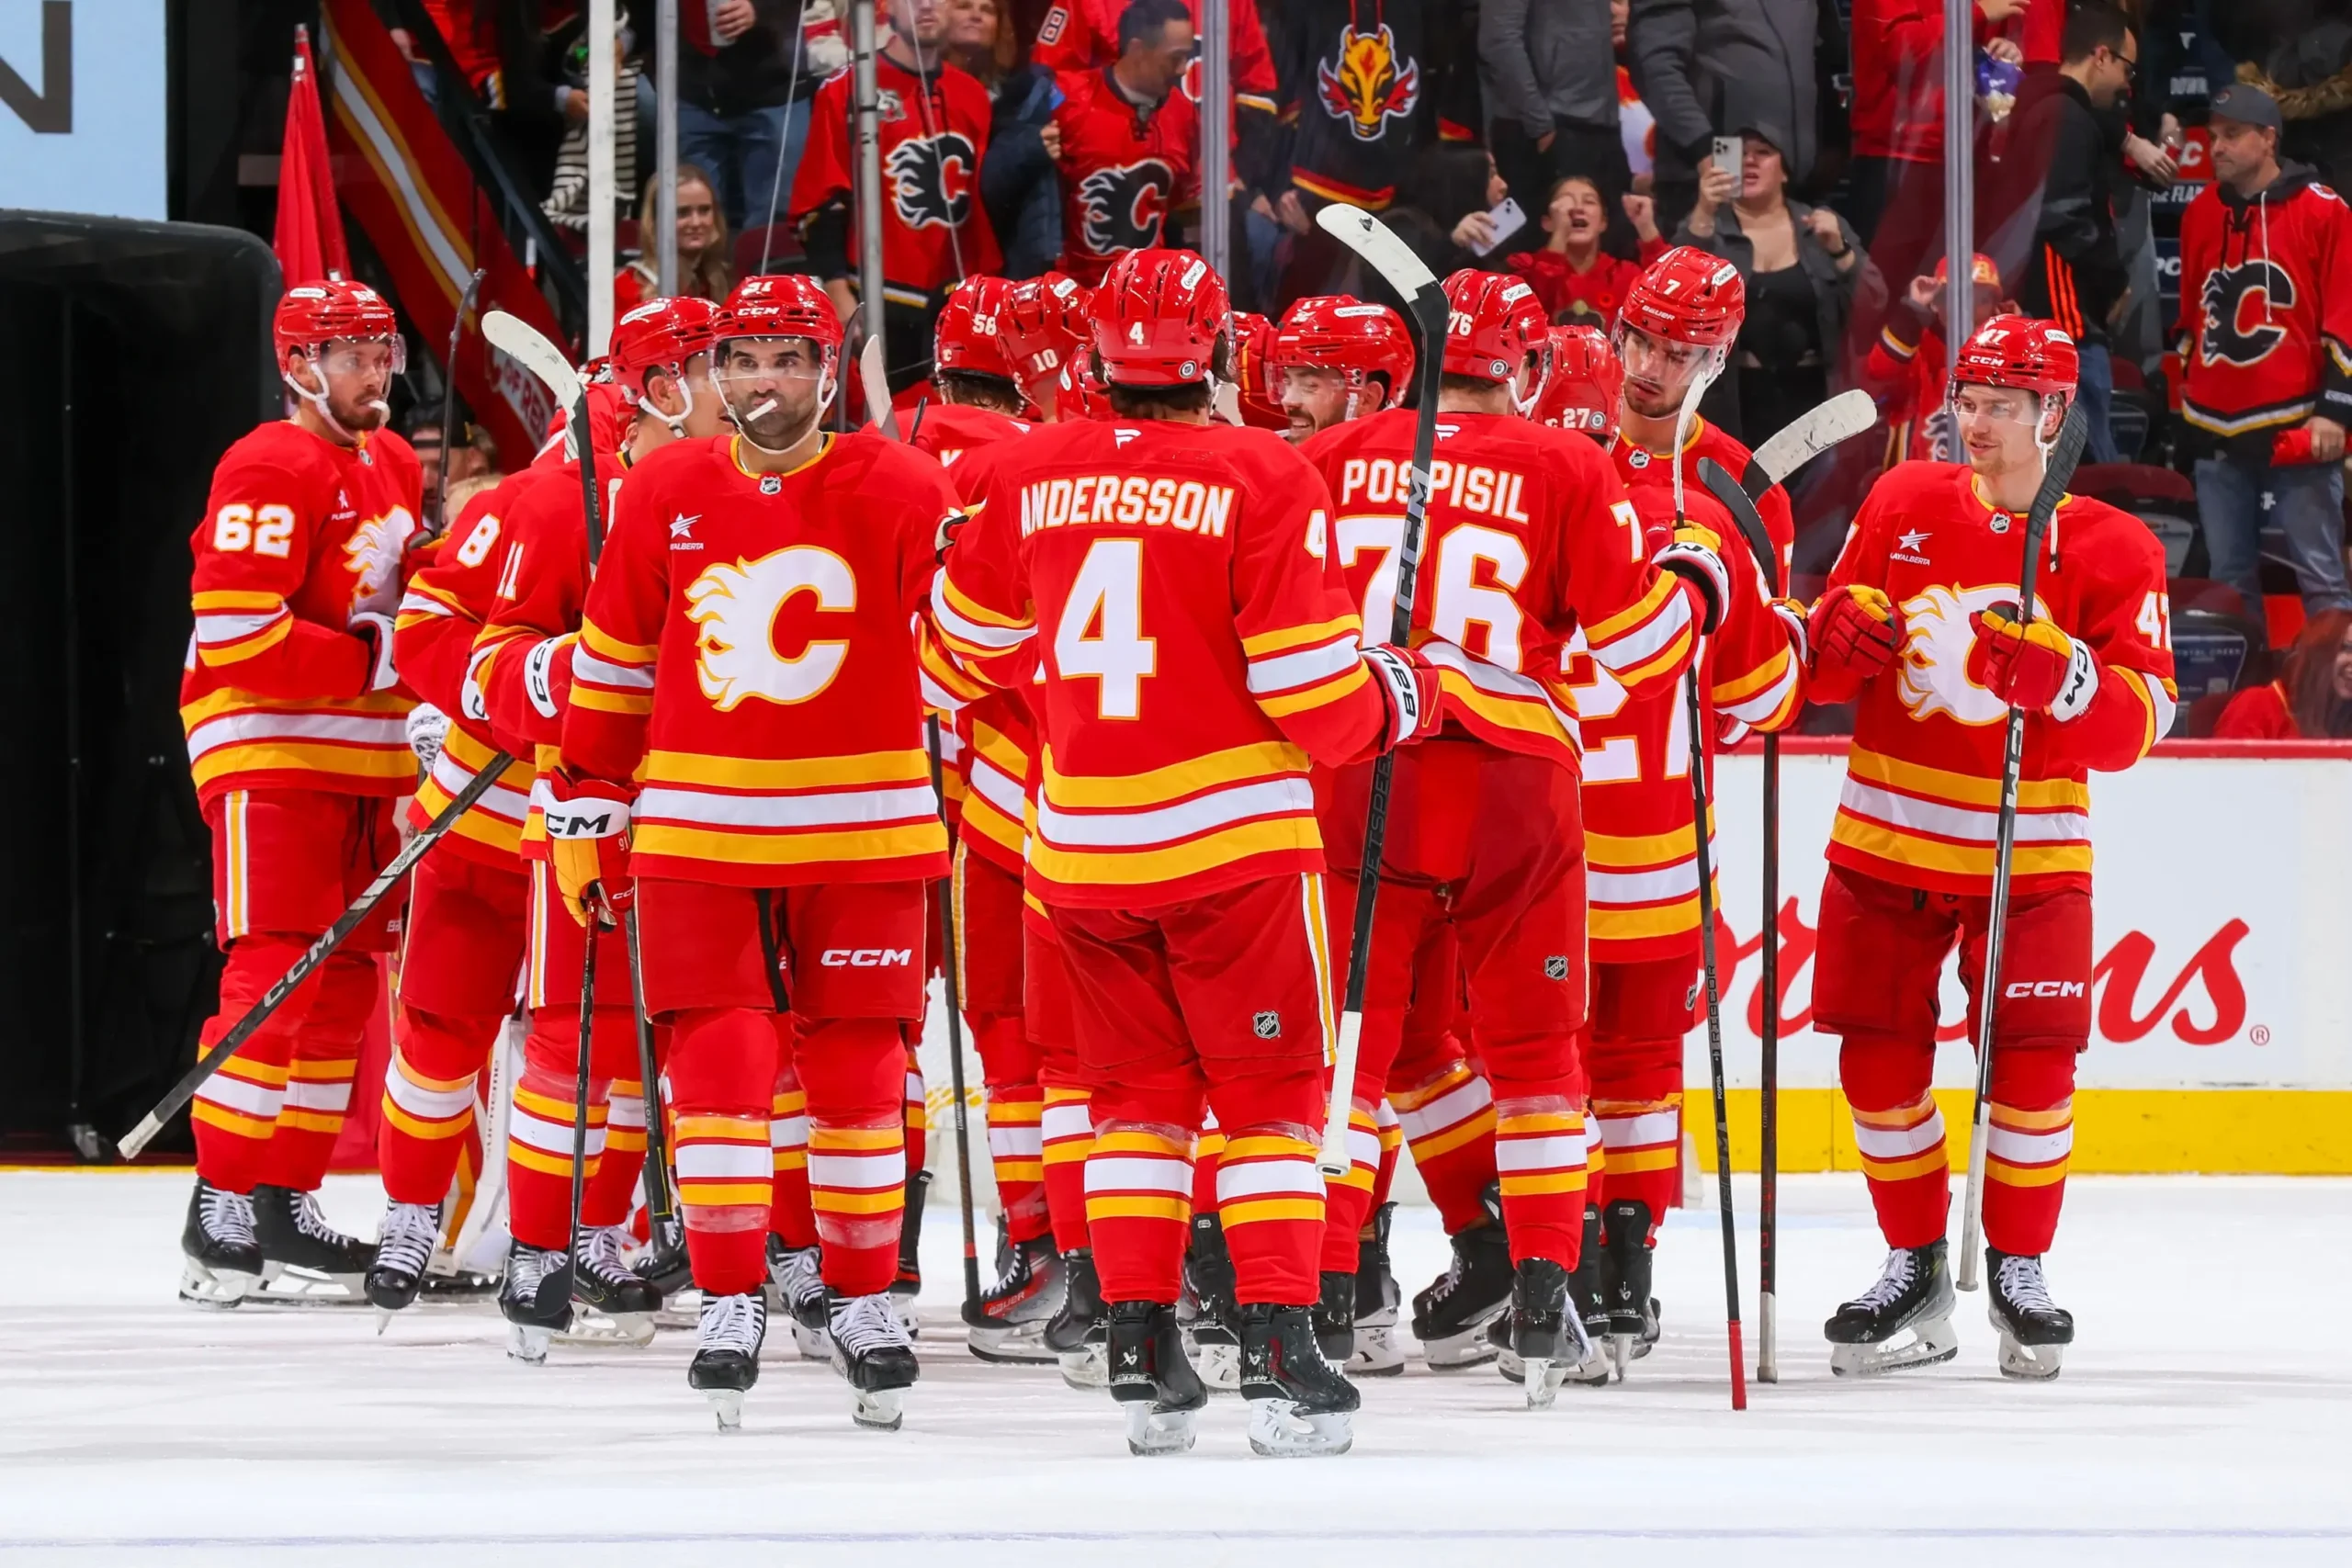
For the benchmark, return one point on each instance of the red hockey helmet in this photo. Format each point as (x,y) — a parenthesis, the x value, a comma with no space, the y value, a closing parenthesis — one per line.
(782,305)
(1158,318)
(1332,332)
(1044,319)
(1253,371)
(971,331)
(314,313)
(661,335)
(2020,352)
(1495,322)
(1689,297)
(1586,378)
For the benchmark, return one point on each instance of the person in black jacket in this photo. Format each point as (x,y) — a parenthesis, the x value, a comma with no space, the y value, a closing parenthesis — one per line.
(743,92)
(1019,184)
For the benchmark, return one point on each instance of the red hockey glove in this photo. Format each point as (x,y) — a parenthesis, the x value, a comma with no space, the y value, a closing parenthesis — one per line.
(1854,627)
(1407,685)
(588,840)
(2035,666)
(1695,555)
(376,631)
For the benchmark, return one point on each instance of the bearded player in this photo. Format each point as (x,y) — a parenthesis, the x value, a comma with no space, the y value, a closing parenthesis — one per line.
(296,736)
(1335,359)
(1921,629)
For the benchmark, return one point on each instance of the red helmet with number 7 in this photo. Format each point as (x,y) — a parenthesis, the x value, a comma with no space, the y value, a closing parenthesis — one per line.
(1586,382)
(2019,352)
(1158,318)
(1688,296)
(970,334)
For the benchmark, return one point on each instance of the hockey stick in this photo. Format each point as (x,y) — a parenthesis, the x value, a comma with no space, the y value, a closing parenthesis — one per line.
(449,403)
(660,1209)
(1805,437)
(2058,471)
(952,967)
(873,379)
(1371,239)
(170,1105)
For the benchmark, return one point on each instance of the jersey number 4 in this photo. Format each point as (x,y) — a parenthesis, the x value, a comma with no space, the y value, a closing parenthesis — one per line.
(1101,629)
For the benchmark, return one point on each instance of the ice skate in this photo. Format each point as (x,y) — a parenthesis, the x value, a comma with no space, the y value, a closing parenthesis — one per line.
(664,1264)
(404,1245)
(1148,1373)
(304,1260)
(1008,1322)
(908,1285)
(2035,1330)
(536,1301)
(1450,1318)
(796,1288)
(617,1304)
(445,1284)
(874,1352)
(1300,1405)
(1376,1353)
(1541,1341)
(727,1353)
(1633,1310)
(1075,1334)
(1212,1327)
(223,1260)
(1588,1287)
(1868,1335)
(1335,1317)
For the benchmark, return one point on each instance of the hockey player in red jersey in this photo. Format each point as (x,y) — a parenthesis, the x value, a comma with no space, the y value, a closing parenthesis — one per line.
(1919,628)
(295,724)
(1130,140)
(1528,540)
(1335,359)
(1199,650)
(743,753)
(979,401)
(1047,322)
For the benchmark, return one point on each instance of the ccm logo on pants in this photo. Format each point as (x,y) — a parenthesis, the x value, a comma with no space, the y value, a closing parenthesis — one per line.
(2044,988)
(871,957)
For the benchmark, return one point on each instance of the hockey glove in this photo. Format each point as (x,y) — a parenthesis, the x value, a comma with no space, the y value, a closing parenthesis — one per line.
(588,839)
(1791,614)
(2035,666)
(376,631)
(1407,685)
(1854,627)
(547,674)
(949,526)
(427,727)
(1695,555)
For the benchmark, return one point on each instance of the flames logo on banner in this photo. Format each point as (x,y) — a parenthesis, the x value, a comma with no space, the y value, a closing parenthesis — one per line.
(1368,85)
(931,180)
(2230,299)
(1124,205)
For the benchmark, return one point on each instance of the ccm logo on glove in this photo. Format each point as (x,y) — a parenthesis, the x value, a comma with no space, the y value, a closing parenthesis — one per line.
(867,957)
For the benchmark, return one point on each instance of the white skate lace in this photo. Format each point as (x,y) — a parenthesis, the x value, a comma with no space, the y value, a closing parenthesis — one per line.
(863,1324)
(229,1217)
(410,1231)
(312,1221)
(2021,1284)
(1893,1281)
(526,1267)
(600,1254)
(731,1322)
(798,1280)
(1016,1274)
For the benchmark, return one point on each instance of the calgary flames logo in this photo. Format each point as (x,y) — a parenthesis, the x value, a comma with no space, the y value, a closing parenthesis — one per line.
(1368,85)
(373,556)
(931,180)
(2230,293)
(1936,635)
(737,605)
(1123,206)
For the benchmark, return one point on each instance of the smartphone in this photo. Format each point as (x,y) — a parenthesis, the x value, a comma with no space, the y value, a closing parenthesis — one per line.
(1727,154)
(1507,217)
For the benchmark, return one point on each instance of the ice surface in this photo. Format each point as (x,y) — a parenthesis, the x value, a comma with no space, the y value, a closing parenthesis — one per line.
(2205,1417)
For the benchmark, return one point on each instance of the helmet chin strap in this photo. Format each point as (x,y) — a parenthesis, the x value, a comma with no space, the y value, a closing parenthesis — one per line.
(318,402)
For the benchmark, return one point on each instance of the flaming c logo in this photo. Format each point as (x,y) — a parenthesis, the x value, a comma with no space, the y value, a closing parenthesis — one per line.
(1368,85)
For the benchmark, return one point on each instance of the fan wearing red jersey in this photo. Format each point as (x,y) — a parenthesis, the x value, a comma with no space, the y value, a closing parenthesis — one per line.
(743,751)
(1079,34)
(1130,140)
(1335,359)
(1529,541)
(1919,629)
(1904,369)
(1177,581)
(934,131)
(295,722)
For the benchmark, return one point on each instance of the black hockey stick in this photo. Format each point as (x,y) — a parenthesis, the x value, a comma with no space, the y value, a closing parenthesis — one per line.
(667,1267)
(449,403)
(951,966)
(2058,471)
(1386,255)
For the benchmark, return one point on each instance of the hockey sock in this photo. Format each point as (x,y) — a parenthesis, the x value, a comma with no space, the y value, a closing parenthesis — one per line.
(1348,1200)
(235,1110)
(1899,1132)
(538,1147)
(854,1070)
(791,1218)
(1539,1155)
(613,1189)
(1270,1200)
(429,1108)
(722,1069)
(1392,1146)
(1065,1125)
(1449,1123)
(1640,1122)
(2028,1141)
(918,1134)
(1016,1153)
(1139,1208)
(1208,1147)
(318,1074)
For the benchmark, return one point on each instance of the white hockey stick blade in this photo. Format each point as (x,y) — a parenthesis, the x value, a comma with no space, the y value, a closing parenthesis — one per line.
(874,381)
(1808,435)
(527,347)
(1378,245)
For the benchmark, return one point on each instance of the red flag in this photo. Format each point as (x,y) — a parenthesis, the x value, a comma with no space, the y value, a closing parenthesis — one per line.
(309,240)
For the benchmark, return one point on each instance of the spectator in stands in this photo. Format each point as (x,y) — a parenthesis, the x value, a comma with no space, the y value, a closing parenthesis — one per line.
(1017,181)
(1905,367)
(567,202)
(1805,274)
(2310,699)
(1130,140)
(1551,96)
(746,72)
(706,265)
(1580,284)
(1443,202)
(1705,67)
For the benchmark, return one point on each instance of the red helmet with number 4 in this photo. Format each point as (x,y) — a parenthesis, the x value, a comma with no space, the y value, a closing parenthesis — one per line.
(313,314)
(2019,352)
(1688,296)
(1254,373)
(970,336)
(661,335)
(1332,332)
(1494,322)
(1158,318)
(1585,381)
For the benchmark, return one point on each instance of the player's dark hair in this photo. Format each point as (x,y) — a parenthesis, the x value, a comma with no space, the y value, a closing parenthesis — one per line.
(1144,20)
(1450,381)
(2090,28)
(1189,397)
(977,389)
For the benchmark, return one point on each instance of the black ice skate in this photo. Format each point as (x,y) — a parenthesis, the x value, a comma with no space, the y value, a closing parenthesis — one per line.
(1214,1326)
(1300,1405)
(872,1352)
(620,1303)
(1008,1322)
(404,1245)
(1335,1317)
(1913,1294)
(536,1300)
(796,1288)
(727,1353)
(1376,1353)
(664,1265)
(1150,1374)
(223,1258)
(1076,1333)
(304,1260)
(1633,1310)
(1541,1341)
(1450,1318)
(1588,1283)
(2035,1330)
(908,1285)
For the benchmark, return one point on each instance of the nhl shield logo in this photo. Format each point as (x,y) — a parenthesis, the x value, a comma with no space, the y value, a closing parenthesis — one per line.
(1557,967)
(771,484)
(1267,1025)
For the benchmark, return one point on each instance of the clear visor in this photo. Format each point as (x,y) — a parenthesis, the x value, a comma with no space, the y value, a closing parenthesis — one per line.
(346,357)
(746,362)
(2001,405)
(1658,358)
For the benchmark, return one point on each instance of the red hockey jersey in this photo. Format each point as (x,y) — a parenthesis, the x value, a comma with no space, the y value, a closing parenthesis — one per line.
(298,535)
(2266,310)
(1123,168)
(950,430)
(1907,380)
(1199,646)
(1079,34)
(1923,779)
(748,641)
(934,131)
